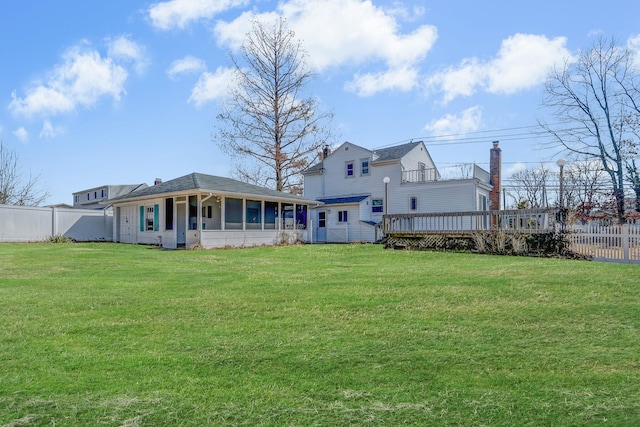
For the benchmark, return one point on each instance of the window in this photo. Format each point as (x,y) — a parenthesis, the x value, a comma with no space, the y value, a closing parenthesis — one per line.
(301,217)
(364,167)
(102,193)
(349,171)
(193,212)
(343,216)
(253,214)
(413,203)
(270,215)
(149,219)
(88,196)
(232,213)
(422,172)
(322,219)
(95,194)
(377,205)
(168,213)
(77,199)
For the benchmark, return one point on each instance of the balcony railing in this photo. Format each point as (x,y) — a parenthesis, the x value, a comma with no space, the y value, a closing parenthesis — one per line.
(420,175)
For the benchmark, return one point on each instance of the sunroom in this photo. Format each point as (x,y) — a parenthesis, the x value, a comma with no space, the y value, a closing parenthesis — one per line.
(212,212)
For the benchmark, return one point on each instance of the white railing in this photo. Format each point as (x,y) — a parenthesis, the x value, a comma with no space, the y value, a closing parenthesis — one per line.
(512,221)
(420,175)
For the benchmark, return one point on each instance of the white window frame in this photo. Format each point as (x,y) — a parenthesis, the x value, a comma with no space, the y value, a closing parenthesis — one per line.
(353,169)
(362,167)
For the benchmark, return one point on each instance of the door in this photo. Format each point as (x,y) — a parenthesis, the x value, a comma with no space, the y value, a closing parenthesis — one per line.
(181,224)
(128,224)
(322,226)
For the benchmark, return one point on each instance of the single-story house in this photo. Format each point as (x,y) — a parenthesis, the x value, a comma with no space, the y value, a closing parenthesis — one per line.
(211,211)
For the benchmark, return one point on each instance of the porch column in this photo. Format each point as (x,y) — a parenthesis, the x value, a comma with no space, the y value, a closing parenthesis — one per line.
(223,218)
(244,214)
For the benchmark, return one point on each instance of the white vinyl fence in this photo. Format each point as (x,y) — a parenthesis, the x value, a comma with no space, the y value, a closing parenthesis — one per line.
(614,242)
(32,224)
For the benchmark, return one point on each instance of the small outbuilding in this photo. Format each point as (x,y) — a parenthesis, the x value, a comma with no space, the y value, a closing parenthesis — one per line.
(211,211)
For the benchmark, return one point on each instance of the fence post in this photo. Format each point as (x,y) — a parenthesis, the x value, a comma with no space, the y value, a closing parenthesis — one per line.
(625,241)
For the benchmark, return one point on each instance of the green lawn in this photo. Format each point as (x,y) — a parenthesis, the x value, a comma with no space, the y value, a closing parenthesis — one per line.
(326,335)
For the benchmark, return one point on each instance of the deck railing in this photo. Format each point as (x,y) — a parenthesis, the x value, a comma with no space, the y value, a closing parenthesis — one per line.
(420,175)
(528,221)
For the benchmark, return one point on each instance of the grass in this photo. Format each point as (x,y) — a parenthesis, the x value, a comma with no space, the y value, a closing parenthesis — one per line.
(123,335)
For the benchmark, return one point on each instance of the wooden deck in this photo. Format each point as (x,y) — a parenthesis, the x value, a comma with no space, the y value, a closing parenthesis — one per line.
(461,224)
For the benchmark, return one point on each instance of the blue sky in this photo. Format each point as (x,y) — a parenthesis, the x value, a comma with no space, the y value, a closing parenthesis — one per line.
(124,91)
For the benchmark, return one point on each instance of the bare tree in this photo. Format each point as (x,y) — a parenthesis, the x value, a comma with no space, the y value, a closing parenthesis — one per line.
(266,120)
(585,186)
(14,191)
(593,99)
(529,187)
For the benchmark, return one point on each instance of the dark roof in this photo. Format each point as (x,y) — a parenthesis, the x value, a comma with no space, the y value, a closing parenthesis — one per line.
(342,200)
(395,153)
(214,184)
(315,168)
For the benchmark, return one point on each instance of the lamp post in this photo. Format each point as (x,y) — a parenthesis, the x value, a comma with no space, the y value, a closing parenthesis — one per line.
(561,163)
(386,181)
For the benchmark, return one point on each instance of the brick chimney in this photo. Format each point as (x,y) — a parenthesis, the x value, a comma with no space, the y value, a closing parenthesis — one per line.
(158,181)
(326,150)
(495,168)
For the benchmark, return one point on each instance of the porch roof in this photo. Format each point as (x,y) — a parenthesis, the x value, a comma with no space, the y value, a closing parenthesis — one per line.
(342,200)
(212,184)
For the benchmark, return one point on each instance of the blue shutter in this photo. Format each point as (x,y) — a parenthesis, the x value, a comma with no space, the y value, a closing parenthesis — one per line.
(141,218)
(156,217)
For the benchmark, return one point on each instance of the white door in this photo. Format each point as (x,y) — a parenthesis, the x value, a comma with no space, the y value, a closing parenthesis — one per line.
(128,224)
(322,226)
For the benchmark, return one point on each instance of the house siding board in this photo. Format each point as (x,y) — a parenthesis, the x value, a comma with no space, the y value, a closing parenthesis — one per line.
(410,162)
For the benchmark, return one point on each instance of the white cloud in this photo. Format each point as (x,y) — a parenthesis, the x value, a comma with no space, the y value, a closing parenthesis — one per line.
(514,168)
(48,131)
(403,79)
(124,49)
(186,65)
(211,86)
(347,33)
(81,80)
(467,121)
(172,14)
(22,134)
(522,62)
(633,44)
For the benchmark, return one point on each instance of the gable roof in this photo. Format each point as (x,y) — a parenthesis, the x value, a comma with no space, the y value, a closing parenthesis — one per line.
(209,183)
(395,152)
(382,155)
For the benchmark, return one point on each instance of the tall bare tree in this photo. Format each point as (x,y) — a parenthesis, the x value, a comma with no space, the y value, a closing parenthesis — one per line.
(13,190)
(267,122)
(593,98)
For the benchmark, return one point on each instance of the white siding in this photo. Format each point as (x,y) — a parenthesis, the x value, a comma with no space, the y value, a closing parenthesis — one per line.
(418,155)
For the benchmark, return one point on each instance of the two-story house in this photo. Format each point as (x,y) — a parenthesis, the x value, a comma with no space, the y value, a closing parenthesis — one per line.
(357,186)
(93,198)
